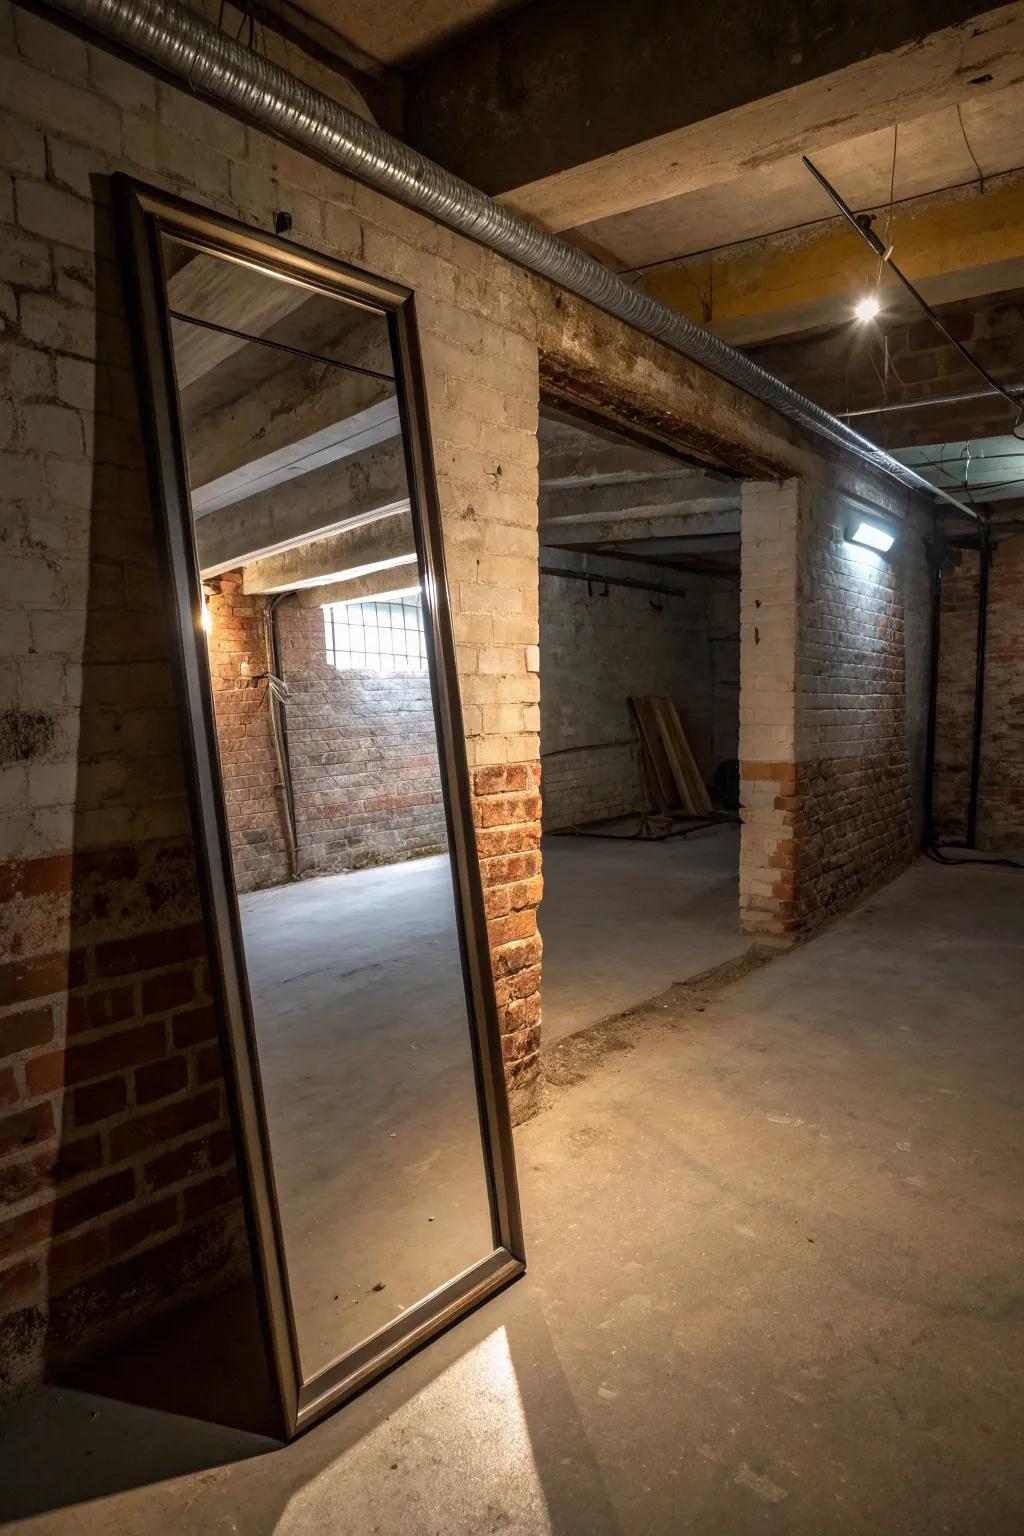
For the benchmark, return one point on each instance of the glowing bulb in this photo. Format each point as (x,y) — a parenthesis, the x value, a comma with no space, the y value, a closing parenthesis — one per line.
(868,308)
(205,616)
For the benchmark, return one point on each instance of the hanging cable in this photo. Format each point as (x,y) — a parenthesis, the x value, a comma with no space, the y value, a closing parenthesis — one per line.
(868,235)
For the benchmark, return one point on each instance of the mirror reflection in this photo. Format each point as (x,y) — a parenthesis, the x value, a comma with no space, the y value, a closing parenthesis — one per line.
(333,793)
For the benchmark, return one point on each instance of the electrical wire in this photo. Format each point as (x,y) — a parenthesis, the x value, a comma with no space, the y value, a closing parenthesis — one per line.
(867,234)
(792,229)
(279,346)
(970,151)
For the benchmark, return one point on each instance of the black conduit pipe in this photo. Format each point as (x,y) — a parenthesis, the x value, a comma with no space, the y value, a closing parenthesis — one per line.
(939,559)
(984,561)
(279,727)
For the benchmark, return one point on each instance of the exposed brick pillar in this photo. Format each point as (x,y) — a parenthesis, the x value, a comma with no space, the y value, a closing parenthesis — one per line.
(768,659)
(831,707)
(506,809)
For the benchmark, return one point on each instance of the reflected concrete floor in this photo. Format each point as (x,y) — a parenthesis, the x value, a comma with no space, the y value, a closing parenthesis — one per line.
(774,1286)
(367,1072)
(623,920)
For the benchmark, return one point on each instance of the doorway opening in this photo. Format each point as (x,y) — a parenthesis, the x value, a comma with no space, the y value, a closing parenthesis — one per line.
(639,717)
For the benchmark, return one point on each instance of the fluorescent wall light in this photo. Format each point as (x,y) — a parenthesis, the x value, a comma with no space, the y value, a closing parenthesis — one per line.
(872,533)
(868,308)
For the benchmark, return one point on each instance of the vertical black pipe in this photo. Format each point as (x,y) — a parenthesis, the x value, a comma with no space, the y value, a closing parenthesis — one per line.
(279,725)
(939,560)
(984,560)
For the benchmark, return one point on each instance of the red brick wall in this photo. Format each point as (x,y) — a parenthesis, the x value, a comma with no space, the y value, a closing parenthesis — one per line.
(363,755)
(1001,782)
(856,792)
(506,812)
(834,672)
(252,782)
(117,1182)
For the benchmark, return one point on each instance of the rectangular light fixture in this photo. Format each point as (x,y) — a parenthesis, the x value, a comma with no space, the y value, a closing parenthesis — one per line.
(872,533)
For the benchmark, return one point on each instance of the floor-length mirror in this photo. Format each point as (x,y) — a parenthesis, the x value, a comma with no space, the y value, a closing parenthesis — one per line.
(318,623)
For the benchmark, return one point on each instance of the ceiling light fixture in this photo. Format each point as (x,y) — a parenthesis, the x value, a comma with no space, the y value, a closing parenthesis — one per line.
(868,308)
(872,533)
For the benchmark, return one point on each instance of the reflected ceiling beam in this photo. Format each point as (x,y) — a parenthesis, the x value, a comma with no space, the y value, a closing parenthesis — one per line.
(401,580)
(231,295)
(348,493)
(378,546)
(247,409)
(347,438)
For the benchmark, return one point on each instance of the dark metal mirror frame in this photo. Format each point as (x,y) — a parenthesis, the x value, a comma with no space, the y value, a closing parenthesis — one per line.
(143,214)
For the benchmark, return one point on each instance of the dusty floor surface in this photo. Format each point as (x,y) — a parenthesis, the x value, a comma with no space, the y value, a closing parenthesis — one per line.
(623,920)
(775,1240)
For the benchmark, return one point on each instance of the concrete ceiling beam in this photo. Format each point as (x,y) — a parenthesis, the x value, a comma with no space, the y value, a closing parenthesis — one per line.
(695,526)
(513,107)
(958,246)
(640,498)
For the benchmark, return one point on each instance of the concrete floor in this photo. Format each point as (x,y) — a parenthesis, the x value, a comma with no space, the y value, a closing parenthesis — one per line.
(775,1249)
(360,1016)
(366,1064)
(621,921)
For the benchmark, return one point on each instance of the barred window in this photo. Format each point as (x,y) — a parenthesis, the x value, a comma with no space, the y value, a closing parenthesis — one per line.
(382,637)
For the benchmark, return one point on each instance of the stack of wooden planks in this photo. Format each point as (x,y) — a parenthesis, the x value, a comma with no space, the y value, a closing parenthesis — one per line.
(672,774)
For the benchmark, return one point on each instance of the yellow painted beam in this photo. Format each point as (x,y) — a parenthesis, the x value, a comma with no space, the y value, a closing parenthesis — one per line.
(954,248)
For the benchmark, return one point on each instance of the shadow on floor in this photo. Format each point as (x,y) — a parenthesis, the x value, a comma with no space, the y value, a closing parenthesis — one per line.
(125,1451)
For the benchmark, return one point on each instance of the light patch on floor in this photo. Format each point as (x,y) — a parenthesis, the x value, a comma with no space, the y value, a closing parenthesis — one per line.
(491,1484)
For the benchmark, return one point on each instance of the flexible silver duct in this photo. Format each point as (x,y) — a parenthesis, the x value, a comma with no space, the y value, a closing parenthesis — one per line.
(183,44)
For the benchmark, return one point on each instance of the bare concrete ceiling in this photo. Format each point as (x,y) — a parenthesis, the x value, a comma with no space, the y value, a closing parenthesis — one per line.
(396,31)
(933,152)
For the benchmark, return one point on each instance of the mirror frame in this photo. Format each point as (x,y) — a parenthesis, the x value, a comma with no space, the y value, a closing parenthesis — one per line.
(143,213)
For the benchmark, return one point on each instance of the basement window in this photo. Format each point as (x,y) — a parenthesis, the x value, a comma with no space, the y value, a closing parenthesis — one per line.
(384,637)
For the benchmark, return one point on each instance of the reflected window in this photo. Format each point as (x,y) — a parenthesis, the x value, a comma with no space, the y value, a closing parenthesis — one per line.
(385,637)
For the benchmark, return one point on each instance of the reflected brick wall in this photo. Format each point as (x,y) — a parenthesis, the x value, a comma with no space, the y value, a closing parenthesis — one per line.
(245,739)
(363,755)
